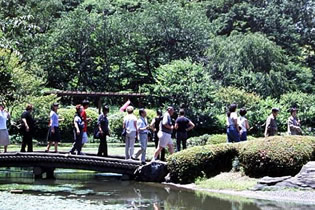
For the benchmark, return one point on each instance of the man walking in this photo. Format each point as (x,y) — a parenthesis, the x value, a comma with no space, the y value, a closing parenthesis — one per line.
(143,126)
(271,123)
(182,125)
(165,133)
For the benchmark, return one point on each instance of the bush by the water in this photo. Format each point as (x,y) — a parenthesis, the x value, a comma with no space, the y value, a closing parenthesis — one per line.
(209,160)
(276,156)
(210,139)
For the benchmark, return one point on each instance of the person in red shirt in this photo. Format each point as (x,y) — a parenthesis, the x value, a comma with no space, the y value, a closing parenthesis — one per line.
(86,120)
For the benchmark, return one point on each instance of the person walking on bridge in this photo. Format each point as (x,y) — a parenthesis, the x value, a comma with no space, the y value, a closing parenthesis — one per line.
(130,127)
(86,120)
(155,125)
(53,132)
(103,126)
(165,133)
(4,134)
(143,130)
(28,125)
(77,131)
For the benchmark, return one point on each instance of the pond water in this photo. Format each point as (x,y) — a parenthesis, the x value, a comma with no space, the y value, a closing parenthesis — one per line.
(88,190)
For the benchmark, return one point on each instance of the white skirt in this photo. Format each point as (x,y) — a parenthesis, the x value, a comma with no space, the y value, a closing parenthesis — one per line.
(4,137)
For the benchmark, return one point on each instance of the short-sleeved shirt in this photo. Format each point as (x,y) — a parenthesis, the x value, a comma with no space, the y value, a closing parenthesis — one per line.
(3,120)
(271,125)
(242,123)
(103,122)
(229,120)
(167,120)
(142,123)
(79,121)
(29,119)
(129,122)
(183,123)
(84,118)
(54,118)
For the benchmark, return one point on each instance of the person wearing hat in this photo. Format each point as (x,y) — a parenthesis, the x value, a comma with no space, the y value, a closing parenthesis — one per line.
(294,124)
(53,132)
(4,134)
(86,120)
(130,126)
(271,123)
(165,133)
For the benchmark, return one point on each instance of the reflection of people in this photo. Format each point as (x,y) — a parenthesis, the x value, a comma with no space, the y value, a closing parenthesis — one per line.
(165,133)
(27,129)
(243,123)
(4,134)
(182,125)
(155,124)
(53,133)
(233,131)
(294,125)
(130,126)
(143,126)
(271,123)
(103,126)
(78,130)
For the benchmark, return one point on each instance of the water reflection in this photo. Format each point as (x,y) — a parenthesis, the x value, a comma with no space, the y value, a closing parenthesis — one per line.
(110,192)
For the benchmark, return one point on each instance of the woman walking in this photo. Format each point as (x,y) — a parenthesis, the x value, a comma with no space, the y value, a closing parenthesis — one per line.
(77,131)
(103,127)
(130,127)
(53,132)
(243,123)
(4,134)
(155,125)
(233,131)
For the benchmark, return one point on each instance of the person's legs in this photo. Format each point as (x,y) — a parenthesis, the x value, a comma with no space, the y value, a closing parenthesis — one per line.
(23,143)
(6,149)
(184,140)
(163,154)
(100,147)
(178,142)
(48,146)
(132,143)
(105,151)
(144,141)
(170,148)
(127,147)
(157,152)
(29,142)
(56,146)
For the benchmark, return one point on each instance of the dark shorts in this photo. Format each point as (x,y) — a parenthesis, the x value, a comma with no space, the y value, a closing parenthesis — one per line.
(54,137)
(232,134)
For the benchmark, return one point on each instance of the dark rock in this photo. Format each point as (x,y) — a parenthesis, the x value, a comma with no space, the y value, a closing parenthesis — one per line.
(152,172)
(303,180)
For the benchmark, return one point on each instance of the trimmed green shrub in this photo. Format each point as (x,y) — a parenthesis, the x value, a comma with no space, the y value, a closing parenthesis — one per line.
(210,160)
(198,140)
(276,156)
(210,140)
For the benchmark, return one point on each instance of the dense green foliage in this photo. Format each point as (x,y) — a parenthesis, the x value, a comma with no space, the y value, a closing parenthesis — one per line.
(203,54)
(278,156)
(210,160)
(274,156)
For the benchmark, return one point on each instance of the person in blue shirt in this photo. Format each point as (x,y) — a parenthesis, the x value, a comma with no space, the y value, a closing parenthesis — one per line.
(77,131)
(53,132)
(143,130)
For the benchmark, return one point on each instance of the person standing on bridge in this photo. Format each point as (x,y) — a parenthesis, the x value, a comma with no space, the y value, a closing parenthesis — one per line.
(155,125)
(165,133)
(130,126)
(103,126)
(86,120)
(77,131)
(53,132)
(4,134)
(182,125)
(28,125)
(143,130)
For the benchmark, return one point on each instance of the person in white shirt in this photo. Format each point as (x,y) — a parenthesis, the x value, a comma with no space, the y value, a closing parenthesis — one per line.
(130,127)
(143,130)
(233,131)
(4,134)
(243,124)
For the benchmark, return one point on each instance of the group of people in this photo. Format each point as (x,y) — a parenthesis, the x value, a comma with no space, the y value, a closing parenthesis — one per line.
(237,127)
(162,128)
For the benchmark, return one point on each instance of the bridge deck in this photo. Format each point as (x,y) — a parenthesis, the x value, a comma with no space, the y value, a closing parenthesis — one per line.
(58,160)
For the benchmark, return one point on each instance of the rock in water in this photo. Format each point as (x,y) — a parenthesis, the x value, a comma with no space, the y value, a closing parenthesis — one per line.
(152,172)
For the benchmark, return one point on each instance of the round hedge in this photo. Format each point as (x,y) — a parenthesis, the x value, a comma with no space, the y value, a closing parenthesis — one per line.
(209,160)
(276,156)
